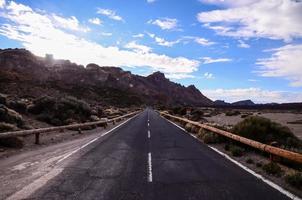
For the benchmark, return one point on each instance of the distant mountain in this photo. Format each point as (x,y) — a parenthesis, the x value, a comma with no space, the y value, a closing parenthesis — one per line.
(243,103)
(25,75)
(237,103)
(221,103)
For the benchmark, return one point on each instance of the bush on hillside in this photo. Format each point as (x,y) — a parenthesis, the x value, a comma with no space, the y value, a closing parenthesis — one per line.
(19,106)
(10,116)
(179,111)
(196,115)
(60,111)
(265,131)
(4,127)
(3,99)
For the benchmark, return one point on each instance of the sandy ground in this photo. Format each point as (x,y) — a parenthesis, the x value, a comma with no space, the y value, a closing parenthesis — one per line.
(279,117)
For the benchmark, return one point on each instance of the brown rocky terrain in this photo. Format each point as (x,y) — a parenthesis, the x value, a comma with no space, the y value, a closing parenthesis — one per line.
(28,76)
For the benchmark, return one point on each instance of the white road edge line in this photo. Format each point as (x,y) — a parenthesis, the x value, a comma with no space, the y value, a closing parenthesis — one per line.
(149,134)
(270,183)
(93,140)
(149,167)
(38,183)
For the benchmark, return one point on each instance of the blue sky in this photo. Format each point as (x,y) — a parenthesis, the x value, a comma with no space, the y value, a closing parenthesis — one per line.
(230,50)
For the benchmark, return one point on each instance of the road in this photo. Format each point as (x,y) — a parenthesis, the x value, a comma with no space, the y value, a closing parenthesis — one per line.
(147,158)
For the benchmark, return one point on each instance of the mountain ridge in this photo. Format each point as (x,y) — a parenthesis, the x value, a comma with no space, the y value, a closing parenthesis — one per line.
(24,74)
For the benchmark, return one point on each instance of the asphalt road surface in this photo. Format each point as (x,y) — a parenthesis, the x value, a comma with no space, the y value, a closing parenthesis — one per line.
(150,158)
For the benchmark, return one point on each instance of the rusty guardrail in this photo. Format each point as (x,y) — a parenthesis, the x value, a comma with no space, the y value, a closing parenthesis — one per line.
(297,157)
(61,128)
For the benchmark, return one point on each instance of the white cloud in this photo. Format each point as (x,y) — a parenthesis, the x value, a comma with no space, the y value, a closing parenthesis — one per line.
(255,94)
(209,60)
(2,3)
(71,23)
(165,23)
(185,39)
(95,21)
(37,32)
(138,48)
(230,3)
(253,80)
(15,10)
(203,41)
(199,40)
(162,42)
(140,35)
(151,1)
(106,34)
(274,19)
(109,13)
(242,44)
(208,75)
(179,76)
(285,62)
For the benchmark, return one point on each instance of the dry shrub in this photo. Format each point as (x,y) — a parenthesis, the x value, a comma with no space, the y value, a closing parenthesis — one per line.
(272,168)
(188,127)
(59,111)
(210,138)
(265,131)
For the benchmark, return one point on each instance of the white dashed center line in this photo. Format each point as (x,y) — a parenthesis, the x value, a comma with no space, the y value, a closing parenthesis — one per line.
(149,167)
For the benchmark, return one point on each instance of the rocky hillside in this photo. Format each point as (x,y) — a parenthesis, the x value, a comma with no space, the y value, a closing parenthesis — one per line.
(26,75)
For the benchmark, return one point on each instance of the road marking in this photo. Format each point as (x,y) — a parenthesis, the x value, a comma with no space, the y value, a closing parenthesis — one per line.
(38,183)
(76,150)
(149,167)
(148,124)
(34,186)
(149,134)
(91,141)
(270,183)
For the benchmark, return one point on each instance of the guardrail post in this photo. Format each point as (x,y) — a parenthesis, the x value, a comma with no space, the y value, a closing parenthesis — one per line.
(113,122)
(37,138)
(79,131)
(273,158)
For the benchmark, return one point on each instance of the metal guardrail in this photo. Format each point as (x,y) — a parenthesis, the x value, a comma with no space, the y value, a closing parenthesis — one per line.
(297,157)
(61,128)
